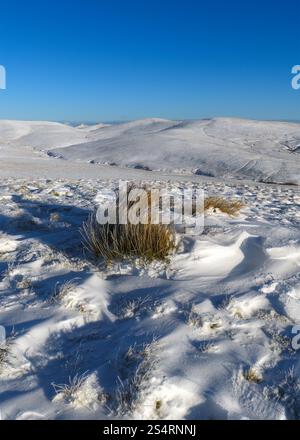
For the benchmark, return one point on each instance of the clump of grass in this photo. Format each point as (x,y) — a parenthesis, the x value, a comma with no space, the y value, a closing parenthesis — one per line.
(194,319)
(287,391)
(9,272)
(81,391)
(116,242)
(5,350)
(147,241)
(230,207)
(24,283)
(205,346)
(158,408)
(62,290)
(252,376)
(158,405)
(133,308)
(280,343)
(68,390)
(55,217)
(129,390)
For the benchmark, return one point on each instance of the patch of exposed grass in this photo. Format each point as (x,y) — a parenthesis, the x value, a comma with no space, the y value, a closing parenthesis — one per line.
(116,242)
(133,308)
(5,350)
(252,376)
(194,319)
(68,390)
(55,217)
(128,394)
(62,290)
(145,240)
(230,207)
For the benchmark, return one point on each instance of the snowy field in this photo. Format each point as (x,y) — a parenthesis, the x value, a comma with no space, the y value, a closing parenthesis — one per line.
(207,335)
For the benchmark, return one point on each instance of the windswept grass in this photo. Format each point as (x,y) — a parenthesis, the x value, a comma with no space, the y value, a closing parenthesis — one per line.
(252,376)
(116,242)
(230,207)
(144,361)
(146,241)
(69,390)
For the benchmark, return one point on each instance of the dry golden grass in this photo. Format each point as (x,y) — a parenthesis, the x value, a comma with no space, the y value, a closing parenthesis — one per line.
(252,376)
(116,242)
(230,207)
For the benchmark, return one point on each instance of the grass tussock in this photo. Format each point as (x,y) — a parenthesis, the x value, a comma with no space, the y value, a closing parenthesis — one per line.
(116,242)
(252,376)
(230,207)
(143,361)
(68,390)
(147,241)
(62,290)
(5,350)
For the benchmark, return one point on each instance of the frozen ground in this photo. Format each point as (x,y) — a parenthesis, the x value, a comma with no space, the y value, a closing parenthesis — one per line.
(207,336)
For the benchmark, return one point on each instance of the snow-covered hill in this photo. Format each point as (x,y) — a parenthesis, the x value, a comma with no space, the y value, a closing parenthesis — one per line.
(261,151)
(223,147)
(39,134)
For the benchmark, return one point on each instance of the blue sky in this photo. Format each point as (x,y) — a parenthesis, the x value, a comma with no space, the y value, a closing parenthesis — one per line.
(94,60)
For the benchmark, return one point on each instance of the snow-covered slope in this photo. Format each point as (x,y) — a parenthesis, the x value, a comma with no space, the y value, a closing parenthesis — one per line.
(39,134)
(223,147)
(263,151)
